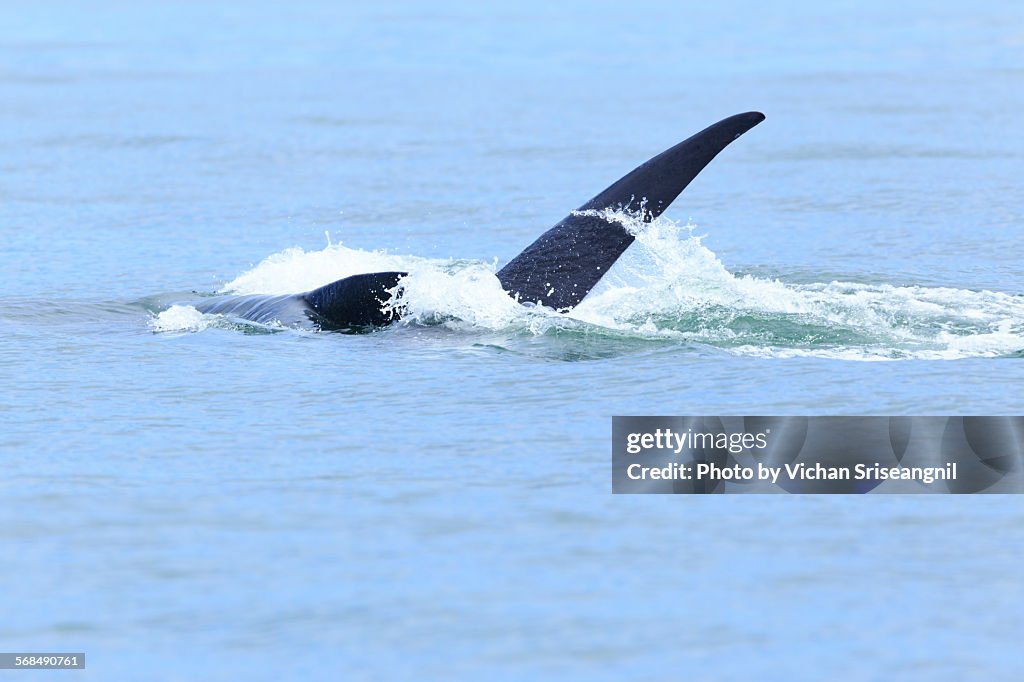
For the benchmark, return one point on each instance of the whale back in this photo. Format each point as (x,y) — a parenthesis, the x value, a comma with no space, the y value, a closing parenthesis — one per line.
(561,267)
(352,303)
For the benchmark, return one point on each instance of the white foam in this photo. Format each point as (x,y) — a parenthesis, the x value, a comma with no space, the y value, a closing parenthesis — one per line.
(470,296)
(181,318)
(294,270)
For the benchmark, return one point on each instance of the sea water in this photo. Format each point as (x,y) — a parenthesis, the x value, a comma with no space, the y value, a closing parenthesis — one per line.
(188,496)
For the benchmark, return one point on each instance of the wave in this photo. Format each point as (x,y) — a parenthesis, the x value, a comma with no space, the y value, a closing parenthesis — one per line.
(669,287)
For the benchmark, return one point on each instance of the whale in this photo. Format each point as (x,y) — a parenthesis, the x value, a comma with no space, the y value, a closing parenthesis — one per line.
(557,270)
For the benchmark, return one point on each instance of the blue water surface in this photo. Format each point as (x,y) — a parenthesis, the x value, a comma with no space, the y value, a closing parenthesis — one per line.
(433,501)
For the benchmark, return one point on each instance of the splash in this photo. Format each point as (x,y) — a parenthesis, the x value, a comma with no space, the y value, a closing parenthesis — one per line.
(181,318)
(294,270)
(669,287)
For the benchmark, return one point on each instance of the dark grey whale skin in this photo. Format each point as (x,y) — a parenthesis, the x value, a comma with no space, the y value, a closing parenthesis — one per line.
(352,303)
(557,270)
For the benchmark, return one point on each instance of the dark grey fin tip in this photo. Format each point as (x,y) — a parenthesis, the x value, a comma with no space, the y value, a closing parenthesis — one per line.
(658,181)
(354,302)
(561,267)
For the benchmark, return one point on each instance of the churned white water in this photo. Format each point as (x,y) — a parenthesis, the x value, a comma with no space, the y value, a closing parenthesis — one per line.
(669,285)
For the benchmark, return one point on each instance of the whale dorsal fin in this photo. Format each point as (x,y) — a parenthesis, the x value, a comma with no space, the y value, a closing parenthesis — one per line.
(565,263)
(356,301)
